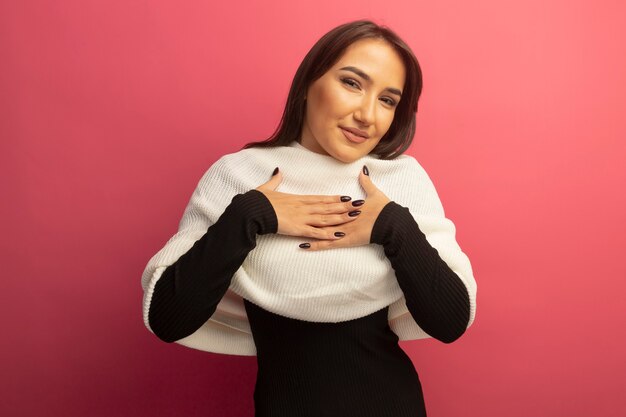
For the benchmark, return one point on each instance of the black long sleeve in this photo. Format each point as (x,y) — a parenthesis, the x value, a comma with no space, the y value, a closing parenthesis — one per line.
(189,290)
(435,296)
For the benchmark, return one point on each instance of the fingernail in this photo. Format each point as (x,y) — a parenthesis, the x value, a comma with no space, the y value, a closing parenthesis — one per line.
(305,245)
(275,171)
(340,234)
(354,213)
(365,170)
(345,198)
(357,203)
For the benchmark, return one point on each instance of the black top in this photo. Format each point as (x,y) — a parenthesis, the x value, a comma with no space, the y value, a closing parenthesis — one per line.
(350,368)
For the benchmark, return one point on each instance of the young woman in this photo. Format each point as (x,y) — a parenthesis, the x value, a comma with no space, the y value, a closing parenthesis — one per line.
(345,250)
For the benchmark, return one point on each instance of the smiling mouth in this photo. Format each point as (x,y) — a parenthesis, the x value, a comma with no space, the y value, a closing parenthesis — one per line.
(352,137)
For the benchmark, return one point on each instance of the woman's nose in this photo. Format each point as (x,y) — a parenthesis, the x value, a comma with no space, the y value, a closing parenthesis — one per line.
(365,113)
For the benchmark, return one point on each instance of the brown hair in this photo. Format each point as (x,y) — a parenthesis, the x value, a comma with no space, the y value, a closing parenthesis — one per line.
(326,51)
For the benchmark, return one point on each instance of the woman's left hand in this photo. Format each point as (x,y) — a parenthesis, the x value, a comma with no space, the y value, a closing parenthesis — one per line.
(359,231)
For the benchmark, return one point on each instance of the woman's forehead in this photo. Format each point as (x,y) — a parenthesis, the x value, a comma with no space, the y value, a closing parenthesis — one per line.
(376,59)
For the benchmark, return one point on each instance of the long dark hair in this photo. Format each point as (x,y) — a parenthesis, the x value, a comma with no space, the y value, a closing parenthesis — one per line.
(326,51)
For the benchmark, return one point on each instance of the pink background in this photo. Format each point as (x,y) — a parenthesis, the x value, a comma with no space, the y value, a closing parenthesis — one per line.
(112,110)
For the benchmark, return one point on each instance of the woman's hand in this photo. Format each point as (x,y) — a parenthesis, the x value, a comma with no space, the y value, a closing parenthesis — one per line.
(359,231)
(310,216)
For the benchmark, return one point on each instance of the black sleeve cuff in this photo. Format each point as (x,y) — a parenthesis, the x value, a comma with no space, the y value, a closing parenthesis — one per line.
(383,229)
(256,208)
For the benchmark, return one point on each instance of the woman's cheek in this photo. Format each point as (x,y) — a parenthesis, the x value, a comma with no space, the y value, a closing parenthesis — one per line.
(338,101)
(387,121)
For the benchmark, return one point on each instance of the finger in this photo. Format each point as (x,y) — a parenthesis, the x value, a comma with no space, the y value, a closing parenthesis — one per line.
(367,184)
(322,233)
(322,245)
(316,199)
(273,182)
(322,220)
(336,208)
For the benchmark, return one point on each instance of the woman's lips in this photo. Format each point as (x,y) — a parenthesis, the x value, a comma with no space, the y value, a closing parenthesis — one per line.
(352,137)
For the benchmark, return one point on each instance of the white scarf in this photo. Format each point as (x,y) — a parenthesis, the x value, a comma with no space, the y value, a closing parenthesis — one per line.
(323,286)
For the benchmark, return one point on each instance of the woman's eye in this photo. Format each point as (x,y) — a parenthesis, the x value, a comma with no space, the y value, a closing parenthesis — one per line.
(350,82)
(390,101)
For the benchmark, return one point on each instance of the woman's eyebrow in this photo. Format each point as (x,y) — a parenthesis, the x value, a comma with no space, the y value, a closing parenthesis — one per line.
(368,78)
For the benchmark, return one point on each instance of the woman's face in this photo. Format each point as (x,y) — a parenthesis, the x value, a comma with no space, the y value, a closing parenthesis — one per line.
(360,91)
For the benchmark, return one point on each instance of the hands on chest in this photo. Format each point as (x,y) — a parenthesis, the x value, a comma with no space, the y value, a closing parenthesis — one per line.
(326,221)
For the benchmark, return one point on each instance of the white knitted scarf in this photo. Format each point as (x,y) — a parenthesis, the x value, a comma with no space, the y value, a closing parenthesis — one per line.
(323,286)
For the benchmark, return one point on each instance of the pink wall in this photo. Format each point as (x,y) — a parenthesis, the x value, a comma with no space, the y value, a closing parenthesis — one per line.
(112,110)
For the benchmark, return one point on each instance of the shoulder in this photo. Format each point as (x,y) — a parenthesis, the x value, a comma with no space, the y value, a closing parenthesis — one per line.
(250,155)
(239,159)
(411,164)
(412,186)
(239,171)
(405,168)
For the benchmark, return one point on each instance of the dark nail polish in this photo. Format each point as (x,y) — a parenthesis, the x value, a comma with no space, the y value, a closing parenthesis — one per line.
(305,245)
(340,234)
(354,213)
(345,198)
(365,170)
(357,203)
(275,171)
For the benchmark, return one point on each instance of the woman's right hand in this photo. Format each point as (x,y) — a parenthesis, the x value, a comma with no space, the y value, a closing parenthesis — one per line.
(303,215)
